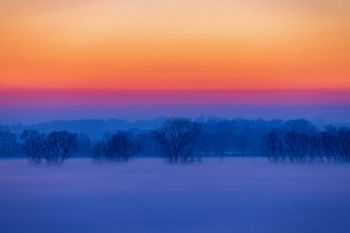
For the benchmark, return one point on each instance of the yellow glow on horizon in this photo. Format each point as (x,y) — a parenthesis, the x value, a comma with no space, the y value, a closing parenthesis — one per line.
(175,44)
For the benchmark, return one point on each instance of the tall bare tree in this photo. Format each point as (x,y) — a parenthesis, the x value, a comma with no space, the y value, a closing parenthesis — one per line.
(120,147)
(343,139)
(60,145)
(34,145)
(176,137)
(274,146)
(297,145)
(329,142)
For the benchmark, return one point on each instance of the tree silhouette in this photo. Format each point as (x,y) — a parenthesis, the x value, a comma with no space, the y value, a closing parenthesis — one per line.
(8,143)
(329,143)
(297,145)
(34,145)
(274,146)
(343,140)
(120,147)
(60,145)
(175,137)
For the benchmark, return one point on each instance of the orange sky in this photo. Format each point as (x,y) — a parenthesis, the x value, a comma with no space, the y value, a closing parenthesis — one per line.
(183,44)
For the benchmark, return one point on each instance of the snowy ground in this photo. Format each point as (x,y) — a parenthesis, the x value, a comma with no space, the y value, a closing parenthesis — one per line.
(150,196)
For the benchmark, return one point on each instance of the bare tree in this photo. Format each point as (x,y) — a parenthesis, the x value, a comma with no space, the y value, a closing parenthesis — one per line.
(176,137)
(60,145)
(34,145)
(274,146)
(8,143)
(343,140)
(120,147)
(329,143)
(315,151)
(297,145)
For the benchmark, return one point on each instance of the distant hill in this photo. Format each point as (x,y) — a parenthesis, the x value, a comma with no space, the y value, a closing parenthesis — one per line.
(91,127)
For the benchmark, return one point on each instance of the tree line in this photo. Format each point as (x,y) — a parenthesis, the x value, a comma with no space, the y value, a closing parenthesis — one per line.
(182,140)
(333,144)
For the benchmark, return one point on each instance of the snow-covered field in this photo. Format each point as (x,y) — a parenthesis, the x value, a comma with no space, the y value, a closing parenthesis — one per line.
(150,196)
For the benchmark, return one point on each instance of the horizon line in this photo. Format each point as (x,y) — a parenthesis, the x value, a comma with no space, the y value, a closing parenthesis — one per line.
(169,89)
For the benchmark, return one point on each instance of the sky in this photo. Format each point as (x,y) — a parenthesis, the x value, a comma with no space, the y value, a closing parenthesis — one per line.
(280,53)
